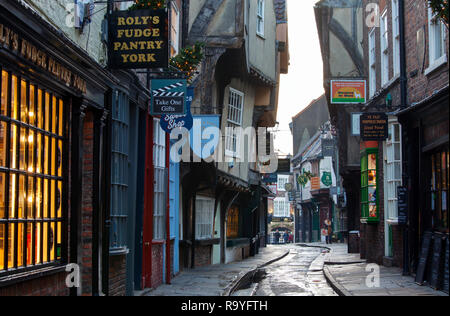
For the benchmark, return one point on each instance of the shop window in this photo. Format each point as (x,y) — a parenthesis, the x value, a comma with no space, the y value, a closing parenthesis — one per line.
(204,217)
(437,195)
(160,188)
(31,182)
(119,172)
(369,186)
(233,222)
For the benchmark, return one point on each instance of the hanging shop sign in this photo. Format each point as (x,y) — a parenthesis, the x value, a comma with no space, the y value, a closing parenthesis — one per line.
(374,126)
(171,121)
(168,97)
(138,39)
(348,91)
(19,46)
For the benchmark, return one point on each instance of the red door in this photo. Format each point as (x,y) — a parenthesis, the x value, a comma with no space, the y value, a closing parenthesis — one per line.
(147,236)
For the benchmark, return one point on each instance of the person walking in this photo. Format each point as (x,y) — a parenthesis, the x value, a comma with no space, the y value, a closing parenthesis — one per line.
(329,232)
(286,237)
(277,236)
(291,238)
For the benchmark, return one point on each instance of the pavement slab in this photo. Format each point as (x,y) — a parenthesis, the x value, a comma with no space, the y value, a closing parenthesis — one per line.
(351,276)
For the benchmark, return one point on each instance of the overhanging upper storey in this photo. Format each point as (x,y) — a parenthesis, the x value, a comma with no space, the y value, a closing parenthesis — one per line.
(340,26)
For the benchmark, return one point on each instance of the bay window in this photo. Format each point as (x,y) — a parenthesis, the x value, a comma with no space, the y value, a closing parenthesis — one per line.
(31,174)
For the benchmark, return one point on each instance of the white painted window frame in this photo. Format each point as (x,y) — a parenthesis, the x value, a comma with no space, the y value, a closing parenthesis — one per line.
(372,63)
(384,47)
(393,166)
(395,38)
(159,161)
(434,26)
(175,28)
(235,113)
(204,217)
(260,12)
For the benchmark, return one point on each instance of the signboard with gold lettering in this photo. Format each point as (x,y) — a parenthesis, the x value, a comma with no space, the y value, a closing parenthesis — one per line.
(30,51)
(138,39)
(374,126)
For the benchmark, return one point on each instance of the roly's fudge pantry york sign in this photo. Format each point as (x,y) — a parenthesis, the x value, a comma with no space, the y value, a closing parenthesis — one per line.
(138,39)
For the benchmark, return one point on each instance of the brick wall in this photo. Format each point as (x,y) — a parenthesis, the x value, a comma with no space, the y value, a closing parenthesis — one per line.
(157,265)
(203,256)
(117,275)
(420,85)
(53,285)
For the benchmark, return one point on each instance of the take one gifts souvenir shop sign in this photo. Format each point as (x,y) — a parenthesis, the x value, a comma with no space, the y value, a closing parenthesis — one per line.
(138,39)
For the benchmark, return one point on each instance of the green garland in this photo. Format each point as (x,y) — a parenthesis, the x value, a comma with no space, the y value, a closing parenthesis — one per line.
(148,4)
(188,59)
(440,7)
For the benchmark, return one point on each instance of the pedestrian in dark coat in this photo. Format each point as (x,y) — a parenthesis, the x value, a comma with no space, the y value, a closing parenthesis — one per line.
(277,236)
(286,237)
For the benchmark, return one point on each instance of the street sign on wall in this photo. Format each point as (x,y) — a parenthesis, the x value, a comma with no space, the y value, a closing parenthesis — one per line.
(348,91)
(168,97)
(374,126)
(138,39)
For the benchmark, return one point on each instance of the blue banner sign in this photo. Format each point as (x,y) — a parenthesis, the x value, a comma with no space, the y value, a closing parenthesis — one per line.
(171,121)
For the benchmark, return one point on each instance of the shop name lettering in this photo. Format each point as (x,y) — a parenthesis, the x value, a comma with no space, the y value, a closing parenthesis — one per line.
(11,40)
(142,39)
(172,121)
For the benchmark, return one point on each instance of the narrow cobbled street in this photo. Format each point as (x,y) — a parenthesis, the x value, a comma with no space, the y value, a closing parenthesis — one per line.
(295,275)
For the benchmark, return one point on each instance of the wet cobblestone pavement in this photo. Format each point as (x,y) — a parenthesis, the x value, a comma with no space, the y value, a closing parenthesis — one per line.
(298,274)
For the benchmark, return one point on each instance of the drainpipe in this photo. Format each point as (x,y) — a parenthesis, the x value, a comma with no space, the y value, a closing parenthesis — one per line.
(404,104)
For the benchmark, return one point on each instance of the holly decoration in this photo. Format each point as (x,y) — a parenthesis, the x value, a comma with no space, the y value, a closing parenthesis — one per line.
(188,59)
(148,4)
(440,8)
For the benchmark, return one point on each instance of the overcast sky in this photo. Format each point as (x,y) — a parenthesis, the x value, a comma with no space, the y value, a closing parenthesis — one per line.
(304,82)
